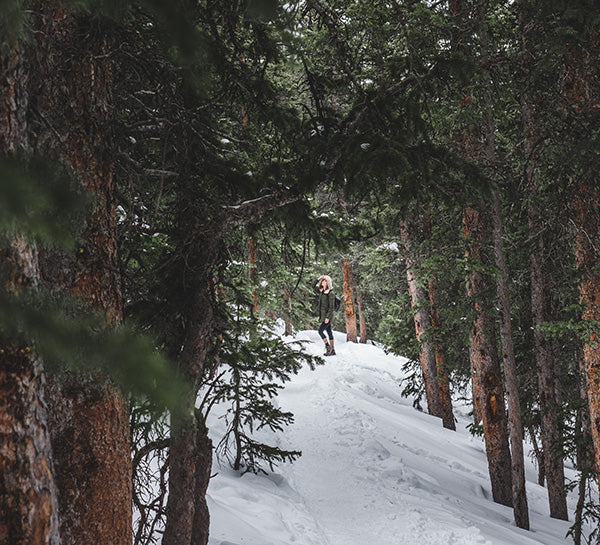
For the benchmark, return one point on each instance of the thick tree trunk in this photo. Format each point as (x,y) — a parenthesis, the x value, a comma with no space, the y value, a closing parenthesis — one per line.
(90,431)
(28,494)
(485,359)
(349,308)
(420,307)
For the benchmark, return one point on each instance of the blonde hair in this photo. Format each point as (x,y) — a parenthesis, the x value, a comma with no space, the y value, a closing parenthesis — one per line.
(328,280)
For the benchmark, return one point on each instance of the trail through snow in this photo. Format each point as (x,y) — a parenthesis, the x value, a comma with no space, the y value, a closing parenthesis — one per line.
(374,470)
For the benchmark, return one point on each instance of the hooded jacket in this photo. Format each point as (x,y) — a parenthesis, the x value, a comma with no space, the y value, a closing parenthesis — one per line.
(326,300)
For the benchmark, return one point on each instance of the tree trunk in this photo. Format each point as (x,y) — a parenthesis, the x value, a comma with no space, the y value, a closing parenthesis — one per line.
(519,494)
(420,307)
(361,318)
(204,449)
(90,431)
(443,377)
(521,510)
(550,421)
(28,494)
(287,312)
(581,94)
(252,274)
(485,359)
(349,309)
(587,238)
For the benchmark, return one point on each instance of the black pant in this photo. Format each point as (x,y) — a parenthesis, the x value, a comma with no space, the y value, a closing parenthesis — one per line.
(326,327)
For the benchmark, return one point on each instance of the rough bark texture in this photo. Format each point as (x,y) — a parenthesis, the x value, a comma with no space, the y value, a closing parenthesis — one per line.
(485,359)
(186,457)
(349,308)
(90,432)
(204,451)
(587,218)
(420,307)
(28,495)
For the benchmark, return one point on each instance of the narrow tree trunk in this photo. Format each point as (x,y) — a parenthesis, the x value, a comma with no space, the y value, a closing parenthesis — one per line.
(550,421)
(186,473)
(361,318)
(349,308)
(485,359)
(443,377)
(521,510)
(180,508)
(252,274)
(519,494)
(420,307)
(287,313)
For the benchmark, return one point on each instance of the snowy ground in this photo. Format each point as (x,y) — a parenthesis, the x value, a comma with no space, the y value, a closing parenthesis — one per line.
(374,470)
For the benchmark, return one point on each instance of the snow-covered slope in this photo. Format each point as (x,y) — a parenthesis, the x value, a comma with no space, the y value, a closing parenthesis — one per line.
(373,471)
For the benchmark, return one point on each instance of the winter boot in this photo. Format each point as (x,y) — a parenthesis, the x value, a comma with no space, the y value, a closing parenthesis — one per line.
(331,349)
(327,349)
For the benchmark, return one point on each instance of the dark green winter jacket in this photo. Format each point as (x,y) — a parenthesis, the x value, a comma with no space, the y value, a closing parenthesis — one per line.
(326,305)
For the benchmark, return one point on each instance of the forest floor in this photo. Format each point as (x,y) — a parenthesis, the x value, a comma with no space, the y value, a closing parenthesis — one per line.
(374,469)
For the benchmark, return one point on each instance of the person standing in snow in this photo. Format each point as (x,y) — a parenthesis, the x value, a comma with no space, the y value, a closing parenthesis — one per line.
(326,307)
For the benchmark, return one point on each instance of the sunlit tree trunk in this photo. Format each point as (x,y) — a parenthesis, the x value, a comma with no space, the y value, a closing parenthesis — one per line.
(349,308)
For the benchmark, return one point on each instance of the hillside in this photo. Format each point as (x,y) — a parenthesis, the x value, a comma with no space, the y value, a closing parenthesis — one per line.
(374,470)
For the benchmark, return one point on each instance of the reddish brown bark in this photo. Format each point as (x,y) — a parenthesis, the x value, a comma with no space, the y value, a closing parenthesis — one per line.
(420,307)
(349,308)
(484,359)
(90,432)
(28,494)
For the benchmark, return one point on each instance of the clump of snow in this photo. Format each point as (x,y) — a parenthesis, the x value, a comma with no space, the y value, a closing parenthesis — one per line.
(374,470)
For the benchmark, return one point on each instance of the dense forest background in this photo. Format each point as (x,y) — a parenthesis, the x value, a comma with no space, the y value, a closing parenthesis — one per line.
(175,176)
